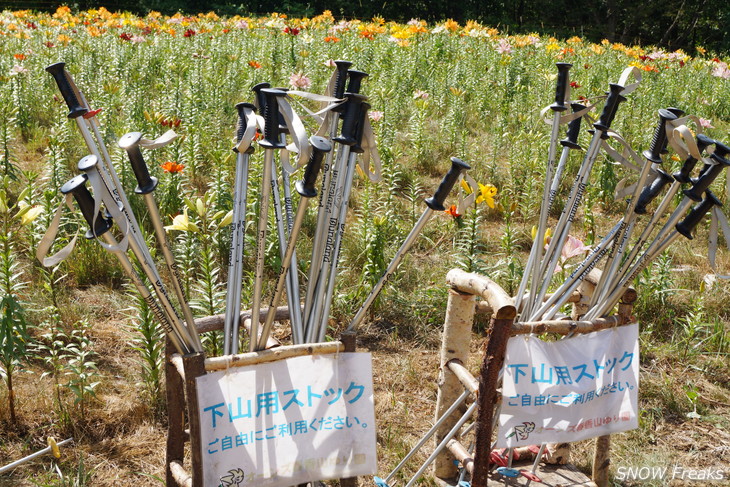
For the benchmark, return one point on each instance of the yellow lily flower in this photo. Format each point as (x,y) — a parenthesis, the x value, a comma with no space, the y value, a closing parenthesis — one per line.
(466,187)
(487,192)
(182,223)
(29,214)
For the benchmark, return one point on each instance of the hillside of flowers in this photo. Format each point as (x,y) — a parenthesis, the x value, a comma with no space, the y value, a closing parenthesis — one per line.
(468,90)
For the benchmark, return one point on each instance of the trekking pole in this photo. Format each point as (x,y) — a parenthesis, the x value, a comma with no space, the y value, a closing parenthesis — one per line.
(332,188)
(458,402)
(80,111)
(245,128)
(325,199)
(716,164)
(562,228)
(569,143)
(146,185)
(113,195)
(306,190)
(51,448)
(680,177)
(683,228)
(558,108)
(552,305)
(292,280)
(434,203)
(99,227)
(270,143)
(124,217)
(350,140)
(653,158)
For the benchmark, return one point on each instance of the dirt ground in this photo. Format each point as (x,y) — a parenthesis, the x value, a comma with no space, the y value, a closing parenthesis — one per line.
(120,442)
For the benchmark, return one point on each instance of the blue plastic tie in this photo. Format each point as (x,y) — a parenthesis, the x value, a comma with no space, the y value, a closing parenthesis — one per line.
(508,472)
(380,482)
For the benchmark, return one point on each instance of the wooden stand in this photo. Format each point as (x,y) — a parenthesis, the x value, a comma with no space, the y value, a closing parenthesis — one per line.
(461,307)
(182,399)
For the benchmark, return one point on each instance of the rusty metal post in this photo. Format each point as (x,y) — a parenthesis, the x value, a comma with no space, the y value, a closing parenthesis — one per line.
(175,416)
(194,365)
(499,333)
(454,345)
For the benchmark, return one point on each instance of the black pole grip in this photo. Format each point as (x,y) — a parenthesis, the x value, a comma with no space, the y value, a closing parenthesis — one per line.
(651,191)
(356,78)
(271,119)
(695,216)
(283,129)
(679,113)
(339,88)
(561,88)
(350,119)
(706,178)
(571,139)
(130,143)
(320,146)
(63,80)
(610,109)
(260,98)
(683,175)
(77,188)
(242,120)
(360,128)
(436,202)
(721,151)
(659,140)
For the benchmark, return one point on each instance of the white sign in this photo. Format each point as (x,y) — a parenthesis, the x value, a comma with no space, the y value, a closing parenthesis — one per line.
(288,422)
(571,389)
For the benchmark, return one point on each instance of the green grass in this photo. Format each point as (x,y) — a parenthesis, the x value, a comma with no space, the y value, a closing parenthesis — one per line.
(444,90)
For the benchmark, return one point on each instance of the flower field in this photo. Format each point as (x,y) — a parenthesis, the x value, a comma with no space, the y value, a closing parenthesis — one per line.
(80,333)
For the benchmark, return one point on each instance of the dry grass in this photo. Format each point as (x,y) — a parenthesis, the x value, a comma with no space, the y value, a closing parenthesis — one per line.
(118,443)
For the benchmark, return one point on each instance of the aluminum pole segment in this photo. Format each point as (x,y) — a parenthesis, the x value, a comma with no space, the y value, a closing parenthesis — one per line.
(89,164)
(532,274)
(318,284)
(394,263)
(172,265)
(341,222)
(260,249)
(295,310)
(231,322)
(37,454)
(443,443)
(282,280)
(580,272)
(282,236)
(550,260)
(178,339)
(459,400)
(610,301)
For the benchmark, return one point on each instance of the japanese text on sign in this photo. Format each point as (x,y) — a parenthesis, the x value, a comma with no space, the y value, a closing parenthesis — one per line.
(288,422)
(571,389)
